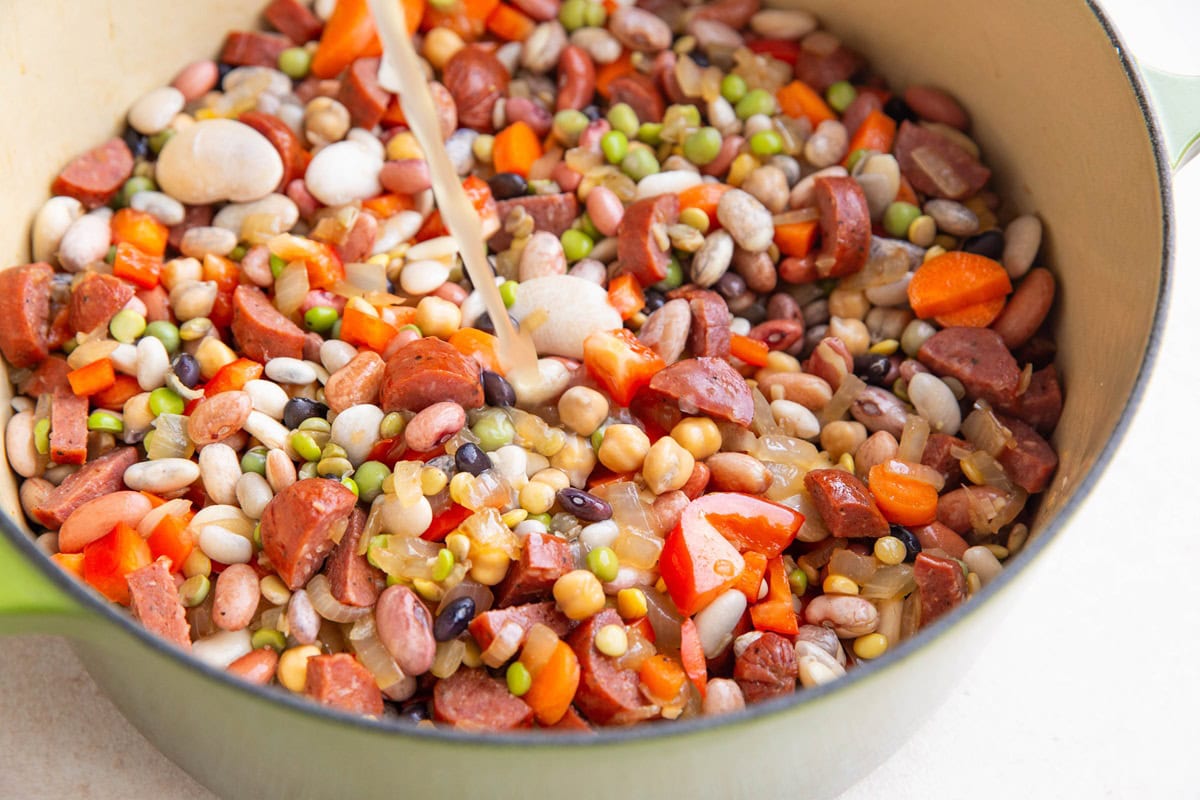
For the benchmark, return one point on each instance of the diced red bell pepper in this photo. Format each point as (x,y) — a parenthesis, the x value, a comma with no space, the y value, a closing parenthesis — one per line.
(620,363)
(445,523)
(697,563)
(140,269)
(625,295)
(747,522)
(233,376)
(775,612)
(70,562)
(692,655)
(784,50)
(171,538)
(110,558)
(751,578)
(362,329)
(389,451)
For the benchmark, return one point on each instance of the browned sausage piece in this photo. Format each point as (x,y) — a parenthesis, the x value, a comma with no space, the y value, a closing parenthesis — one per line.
(640,93)
(262,332)
(355,383)
(95,176)
(845,504)
(103,475)
(253,49)
(845,226)
(936,536)
(1028,459)
(429,371)
(955,507)
(607,694)
(476,79)
(68,428)
(820,67)
(710,334)
(638,240)
(157,302)
(767,668)
(154,601)
(1026,310)
(485,626)
(95,299)
(978,358)
(707,386)
(572,721)
(576,79)
(294,20)
(544,559)
(339,681)
(937,455)
(298,525)
(472,700)
(257,666)
(50,376)
(25,307)
(362,95)
(1040,404)
(937,166)
(285,141)
(550,212)
(941,583)
(352,579)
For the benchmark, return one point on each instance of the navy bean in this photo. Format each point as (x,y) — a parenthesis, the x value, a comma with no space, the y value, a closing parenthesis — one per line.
(583,505)
(497,391)
(454,619)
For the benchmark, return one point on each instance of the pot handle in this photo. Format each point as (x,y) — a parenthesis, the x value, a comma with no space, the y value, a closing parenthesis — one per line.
(29,601)
(1177,101)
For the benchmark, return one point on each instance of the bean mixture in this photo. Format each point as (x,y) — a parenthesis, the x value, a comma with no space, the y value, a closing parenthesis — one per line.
(795,383)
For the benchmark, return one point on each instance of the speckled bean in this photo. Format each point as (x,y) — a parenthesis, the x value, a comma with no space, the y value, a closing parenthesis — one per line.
(541,50)
(747,220)
(281,470)
(738,472)
(639,29)
(758,271)
(848,615)
(712,259)
(876,449)
(235,597)
(405,627)
(542,256)
(304,623)
(219,416)
(879,410)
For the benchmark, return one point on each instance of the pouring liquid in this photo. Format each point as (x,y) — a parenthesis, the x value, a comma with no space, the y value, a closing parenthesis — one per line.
(515,349)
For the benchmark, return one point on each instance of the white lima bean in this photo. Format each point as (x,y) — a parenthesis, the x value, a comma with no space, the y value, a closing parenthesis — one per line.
(163,208)
(223,545)
(574,307)
(356,430)
(747,220)
(86,241)
(669,182)
(715,624)
(152,112)
(162,475)
(290,370)
(268,431)
(50,225)
(422,277)
(220,469)
(222,648)
(267,397)
(215,160)
(18,440)
(204,240)
(395,230)
(281,470)
(795,419)
(304,623)
(124,358)
(280,208)
(335,354)
(1022,239)
(405,520)
(253,494)
(343,172)
(153,363)
(599,534)
(935,401)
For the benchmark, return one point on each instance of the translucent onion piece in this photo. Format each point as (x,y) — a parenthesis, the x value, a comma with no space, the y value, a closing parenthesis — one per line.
(373,526)
(628,510)
(735,438)
(447,658)
(329,608)
(689,75)
(639,649)
(782,449)
(921,472)
(910,616)
(890,609)
(857,568)
(809,214)
(889,582)
(813,529)
(486,530)
(638,549)
(664,618)
(403,557)
(364,641)
(983,470)
(170,439)
(842,399)
(940,171)
(889,267)
(913,439)
(504,646)
(540,644)
(787,480)
(291,287)
(764,423)
(481,594)
(985,432)
(988,515)
(172,508)
(271,618)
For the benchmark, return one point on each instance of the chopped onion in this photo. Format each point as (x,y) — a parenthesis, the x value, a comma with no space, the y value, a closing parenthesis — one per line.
(890,266)
(983,470)
(367,277)
(764,423)
(291,287)
(367,646)
(855,567)
(989,515)
(913,439)
(984,431)
(808,214)
(921,472)
(889,582)
(504,646)
(172,508)
(664,618)
(479,593)
(329,608)
(540,644)
(842,399)
(448,658)
(170,439)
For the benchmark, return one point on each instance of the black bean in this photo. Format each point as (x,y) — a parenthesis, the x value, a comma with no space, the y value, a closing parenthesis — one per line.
(592,112)
(899,110)
(484,323)
(497,391)
(299,409)
(469,458)
(414,711)
(138,144)
(507,185)
(223,70)
(911,545)
(873,368)
(654,300)
(583,505)
(730,285)
(700,59)
(187,369)
(454,618)
(989,243)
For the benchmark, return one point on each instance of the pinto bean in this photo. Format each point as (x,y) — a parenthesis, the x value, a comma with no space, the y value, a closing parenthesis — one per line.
(879,447)
(433,424)
(848,615)
(810,391)
(406,629)
(738,472)
(476,79)
(879,410)
(257,666)
(235,597)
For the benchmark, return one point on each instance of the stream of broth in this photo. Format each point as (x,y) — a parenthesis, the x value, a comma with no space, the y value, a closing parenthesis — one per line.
(515,349)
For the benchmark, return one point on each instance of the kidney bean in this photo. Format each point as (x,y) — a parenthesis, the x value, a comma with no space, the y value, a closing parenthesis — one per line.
(522,109)
(935,105)
(584,505)
(475,79)
(257,666)
(576,79)
(406,629)
(780,334)
(433,424)
(235,597)
(757,269)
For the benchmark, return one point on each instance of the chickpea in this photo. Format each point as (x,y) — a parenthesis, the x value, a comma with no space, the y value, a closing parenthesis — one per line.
(667,466)
(440,46)
(698,435)
(537,497)
(488,565)
(624,448)
(438,317)
(579,594)
(841,437)
(582,409)
(779,361)
(403,146)
(576,459)
(325,121)
(848,303)
(211,355)
(554,478)
(292,670)
(852,332)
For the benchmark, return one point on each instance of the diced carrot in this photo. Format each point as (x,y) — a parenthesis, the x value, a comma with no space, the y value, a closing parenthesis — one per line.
(222,271)
(467,18)
(110,558)
(136,267)
(171,538)
(979,315)
(662,677)
(233,376)
(113,398)
(553,687)
(516,148)
(751,351)
(776,616)
(796,238)
(877,132)
(751,578)
(625,295)
(691,653)
(704,196)
(955,280)
(350,33)
(510,24)
(907,194)
(360,328)
(904,499)
(798,99)
(95,377)
(607,73)
(398,316)
(70,562)
(141,230)
(388,205)
(479,345)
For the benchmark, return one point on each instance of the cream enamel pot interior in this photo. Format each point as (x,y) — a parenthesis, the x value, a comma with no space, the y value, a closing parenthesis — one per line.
(1063,118)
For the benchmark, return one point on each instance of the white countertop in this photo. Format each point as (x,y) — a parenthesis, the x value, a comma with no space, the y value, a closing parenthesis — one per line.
(1105,706)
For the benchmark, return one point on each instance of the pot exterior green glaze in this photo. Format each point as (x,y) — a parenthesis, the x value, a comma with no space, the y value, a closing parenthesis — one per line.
(1061,116)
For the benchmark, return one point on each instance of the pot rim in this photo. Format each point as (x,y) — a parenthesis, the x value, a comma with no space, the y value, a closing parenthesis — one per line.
(704,725)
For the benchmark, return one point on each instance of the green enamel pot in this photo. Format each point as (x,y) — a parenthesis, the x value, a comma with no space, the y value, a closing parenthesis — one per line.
(1074,130)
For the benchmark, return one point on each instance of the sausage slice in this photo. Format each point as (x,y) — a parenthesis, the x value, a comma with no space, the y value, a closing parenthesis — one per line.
(550,212)
(485,626)
(978,358)
(845,504)
(25,306)
(707,386)
(544,559)
(339,681)
(429,371)
(937,166)
(845,226)
(473,700)
(941,584)
(96,299)
(297,526)
(294,20)
(352,579)
(95,176)
(637,241)
(262,332)
(767,668)
(607,694)
(103,475)
(68,428)
(1028,459)
(154,601)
